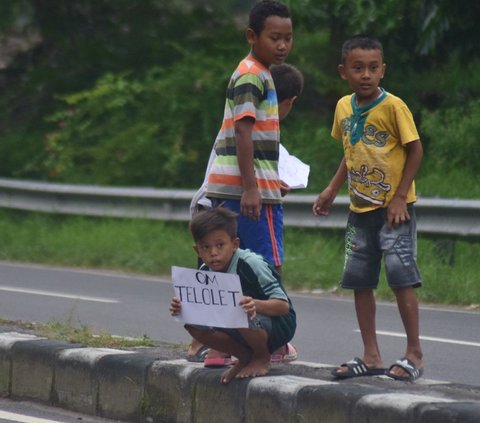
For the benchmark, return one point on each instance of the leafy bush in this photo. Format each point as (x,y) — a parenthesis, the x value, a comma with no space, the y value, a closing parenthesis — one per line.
(451,157)
(148,79)
(453,134)
(155,131)
(85,42)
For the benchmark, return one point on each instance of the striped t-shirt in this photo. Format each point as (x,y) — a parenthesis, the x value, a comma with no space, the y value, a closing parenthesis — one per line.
(250,93)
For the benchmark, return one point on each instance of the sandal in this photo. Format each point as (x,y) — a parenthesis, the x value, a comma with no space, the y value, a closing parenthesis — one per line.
(285,354)
(199,356)
(409,367)
(356,368)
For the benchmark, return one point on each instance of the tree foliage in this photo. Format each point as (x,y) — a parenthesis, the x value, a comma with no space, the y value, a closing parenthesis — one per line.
(460,122)
(139,131)
(131,92)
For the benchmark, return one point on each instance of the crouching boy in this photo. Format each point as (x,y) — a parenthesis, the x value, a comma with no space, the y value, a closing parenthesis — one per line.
(272,319)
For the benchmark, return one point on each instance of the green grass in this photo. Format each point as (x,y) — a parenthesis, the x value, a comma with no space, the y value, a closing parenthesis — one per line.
(131,245)
(69,332)
(313,258)
(314,261)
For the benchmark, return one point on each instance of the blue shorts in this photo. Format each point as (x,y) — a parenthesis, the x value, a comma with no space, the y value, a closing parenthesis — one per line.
(368,240)
(264,237)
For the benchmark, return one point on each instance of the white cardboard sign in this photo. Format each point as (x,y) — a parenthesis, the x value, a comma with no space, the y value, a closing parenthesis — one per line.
(209,298)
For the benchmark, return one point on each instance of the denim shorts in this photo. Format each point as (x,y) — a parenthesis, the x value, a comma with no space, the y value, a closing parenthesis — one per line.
(368,240)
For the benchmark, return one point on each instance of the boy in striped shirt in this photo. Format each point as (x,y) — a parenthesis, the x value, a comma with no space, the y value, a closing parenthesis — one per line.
(244,175)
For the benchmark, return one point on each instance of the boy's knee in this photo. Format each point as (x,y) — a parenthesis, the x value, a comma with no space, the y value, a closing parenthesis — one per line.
(198,332)
(192,330)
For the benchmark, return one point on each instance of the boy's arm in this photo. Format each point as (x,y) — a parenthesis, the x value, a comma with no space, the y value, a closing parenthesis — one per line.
(271,307)
(251,201)
(323,202)
(397,209)
(284,188)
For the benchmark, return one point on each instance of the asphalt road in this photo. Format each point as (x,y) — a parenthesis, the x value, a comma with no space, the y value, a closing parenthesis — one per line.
(29,412)
(134,305)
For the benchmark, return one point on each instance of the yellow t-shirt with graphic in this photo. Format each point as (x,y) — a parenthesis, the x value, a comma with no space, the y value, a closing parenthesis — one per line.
(375,158)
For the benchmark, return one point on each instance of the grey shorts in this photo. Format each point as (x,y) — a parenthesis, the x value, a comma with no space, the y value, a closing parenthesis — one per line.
(368,240)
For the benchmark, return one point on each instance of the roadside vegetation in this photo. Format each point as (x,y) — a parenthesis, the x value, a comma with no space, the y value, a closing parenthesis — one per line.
(313,258)
(70,331)
(131,93)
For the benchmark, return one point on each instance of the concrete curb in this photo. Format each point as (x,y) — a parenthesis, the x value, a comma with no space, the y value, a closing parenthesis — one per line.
(138,387)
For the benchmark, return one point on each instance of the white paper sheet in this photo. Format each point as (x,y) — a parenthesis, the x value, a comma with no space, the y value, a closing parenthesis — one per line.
(292,170)
(209,298)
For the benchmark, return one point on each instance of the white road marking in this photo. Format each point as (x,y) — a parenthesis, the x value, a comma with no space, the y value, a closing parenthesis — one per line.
(326,296)
(57,294)
(94,272)
(22,418)
(428,338)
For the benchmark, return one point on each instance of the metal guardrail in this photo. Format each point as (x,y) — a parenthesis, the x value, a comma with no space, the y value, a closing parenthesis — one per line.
(448,217)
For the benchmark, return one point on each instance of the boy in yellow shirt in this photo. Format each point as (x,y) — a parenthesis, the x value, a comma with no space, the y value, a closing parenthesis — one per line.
(382,153)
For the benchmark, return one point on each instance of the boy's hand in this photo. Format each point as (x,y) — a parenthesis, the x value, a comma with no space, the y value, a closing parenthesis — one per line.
(175,306)
(322,204)
(284,188)
(248,305)
(397,212)
(251,204)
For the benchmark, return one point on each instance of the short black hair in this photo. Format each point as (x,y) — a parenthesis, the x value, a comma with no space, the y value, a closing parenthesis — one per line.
(207,221)
(363,41)
(264,9)
(288,81)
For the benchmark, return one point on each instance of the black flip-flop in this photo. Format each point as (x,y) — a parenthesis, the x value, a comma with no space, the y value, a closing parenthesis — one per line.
(199,356)
(409,367)
(356,368)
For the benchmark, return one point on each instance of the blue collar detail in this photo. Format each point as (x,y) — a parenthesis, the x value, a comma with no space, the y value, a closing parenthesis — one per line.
(360,113)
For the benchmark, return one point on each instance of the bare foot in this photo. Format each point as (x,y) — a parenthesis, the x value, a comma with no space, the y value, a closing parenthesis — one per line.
(256,367)
(229,374)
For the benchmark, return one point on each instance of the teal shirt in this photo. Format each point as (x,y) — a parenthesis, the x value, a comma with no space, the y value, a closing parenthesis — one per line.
(260,280)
